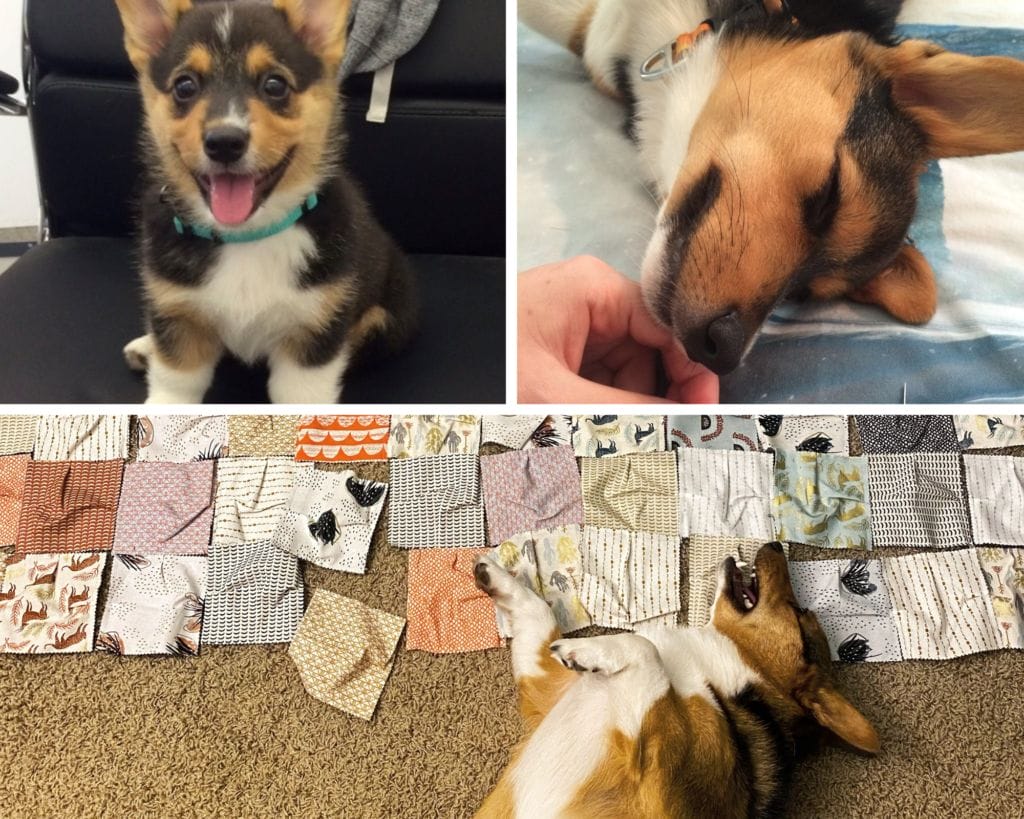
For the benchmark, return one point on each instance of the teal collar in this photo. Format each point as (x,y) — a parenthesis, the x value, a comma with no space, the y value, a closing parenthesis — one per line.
(202,232)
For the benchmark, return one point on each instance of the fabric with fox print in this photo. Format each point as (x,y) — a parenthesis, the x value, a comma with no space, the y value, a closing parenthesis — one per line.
(82,438)
(342,438)
(704,555)
(822,500)
(1004,575)
(13,469)
(989,431)
(638,492)
(258,436)
(804,433)
(252,494)
(435,503)
(18,434)
(725,493)
(416,436)
(995,488)
(512,431)
(181,438)
(598,436)
(166,508)
(734,432)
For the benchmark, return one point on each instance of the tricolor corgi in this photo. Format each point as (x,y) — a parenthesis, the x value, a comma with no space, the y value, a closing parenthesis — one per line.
(785,140)
(253,239)
(678,722)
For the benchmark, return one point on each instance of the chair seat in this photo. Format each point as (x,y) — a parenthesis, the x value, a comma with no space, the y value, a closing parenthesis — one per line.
(67,307)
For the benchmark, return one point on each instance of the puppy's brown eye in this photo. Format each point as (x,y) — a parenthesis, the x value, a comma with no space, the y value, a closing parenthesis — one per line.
(185,88)
(276,87)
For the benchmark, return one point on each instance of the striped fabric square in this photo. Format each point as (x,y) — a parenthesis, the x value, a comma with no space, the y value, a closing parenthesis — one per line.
(704,554)
(713,432)
(252,495)
(941,604)
(342,438)
(435,503)
(262,435)
(1004,576)
(804,433)
(598,436)
(18,433)
(725,493)
(637,492)
(13,469)
(822,500)
(995,489)
(182,438)
(416,436)
(166,508)
(513,431)
(989,431)
(906,433)
(82,438)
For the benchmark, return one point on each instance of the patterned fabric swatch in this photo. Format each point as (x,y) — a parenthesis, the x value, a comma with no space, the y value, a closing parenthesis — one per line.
(413,436)
(330,518)
(18,433)
(447,613)
(853,606)
(69,506)
(704,555)
(989,431)
(725,493)
(343,438)
(548,562)
(252,494)
(166,509)
(513,431)
(600,435)
(822,500)
(804,433)
(344,651)
(530,489)
(713,432)
(182,438)
(629,577)
(262,435)
(555,430)
(82,438)
(918,500)
(906,433)
(48,603)
(995,488)
(1004,575)
(254,595)
(637,492)
(435,503)
(154,605)
(941,605)
(12,488)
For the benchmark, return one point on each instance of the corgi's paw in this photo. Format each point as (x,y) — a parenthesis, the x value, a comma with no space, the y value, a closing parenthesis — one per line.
(603,655)
(493,580)
(138,352)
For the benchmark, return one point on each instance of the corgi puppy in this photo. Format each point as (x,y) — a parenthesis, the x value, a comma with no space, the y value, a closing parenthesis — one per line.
(253,239)
(784,141)
(678,722)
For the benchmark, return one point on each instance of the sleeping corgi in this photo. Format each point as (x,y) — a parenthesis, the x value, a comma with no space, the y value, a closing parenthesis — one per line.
(678,722)
(784,141)
(253,239)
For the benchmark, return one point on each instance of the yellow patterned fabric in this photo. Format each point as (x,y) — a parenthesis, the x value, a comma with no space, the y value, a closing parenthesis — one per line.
(259,435)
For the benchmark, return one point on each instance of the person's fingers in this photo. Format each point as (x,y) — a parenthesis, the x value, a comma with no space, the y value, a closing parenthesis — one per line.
(701,388)
(587,392)
(617,311)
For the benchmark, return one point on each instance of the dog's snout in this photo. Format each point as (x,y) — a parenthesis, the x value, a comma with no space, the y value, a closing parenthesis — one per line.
(226,143)
(718,345)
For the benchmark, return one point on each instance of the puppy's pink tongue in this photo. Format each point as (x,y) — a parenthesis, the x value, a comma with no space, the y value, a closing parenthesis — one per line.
(232,197)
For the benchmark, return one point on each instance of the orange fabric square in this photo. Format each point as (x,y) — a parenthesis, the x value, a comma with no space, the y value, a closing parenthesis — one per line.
(338,438)
(12,487)
(446,611)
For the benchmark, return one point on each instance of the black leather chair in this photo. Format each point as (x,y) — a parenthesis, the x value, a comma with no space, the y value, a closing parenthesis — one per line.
(434,172)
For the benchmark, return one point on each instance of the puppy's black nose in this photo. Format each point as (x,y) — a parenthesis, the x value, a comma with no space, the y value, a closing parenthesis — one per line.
(226,143)
(719,344)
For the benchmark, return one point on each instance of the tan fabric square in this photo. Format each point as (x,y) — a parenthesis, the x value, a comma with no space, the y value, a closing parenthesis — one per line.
(12,488)
(259,435)
(18,433)
(635,492)
(252,496)
(344,651)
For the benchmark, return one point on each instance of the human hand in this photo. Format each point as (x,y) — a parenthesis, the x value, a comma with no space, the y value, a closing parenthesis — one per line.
(585,337)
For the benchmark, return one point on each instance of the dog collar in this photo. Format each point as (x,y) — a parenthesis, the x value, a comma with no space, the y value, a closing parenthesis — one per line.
(239,237)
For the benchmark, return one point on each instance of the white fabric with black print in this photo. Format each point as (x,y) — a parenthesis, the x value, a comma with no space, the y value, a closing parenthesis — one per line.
(823,434)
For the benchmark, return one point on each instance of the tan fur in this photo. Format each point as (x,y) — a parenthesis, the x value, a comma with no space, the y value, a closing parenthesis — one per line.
(578,38)
(145,33)
(906,289)
(373,321)
(308,130)
(199,59)
(194,342)
(322,23)
(260,59)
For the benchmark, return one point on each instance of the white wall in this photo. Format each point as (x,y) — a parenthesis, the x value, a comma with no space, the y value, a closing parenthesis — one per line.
(19,201)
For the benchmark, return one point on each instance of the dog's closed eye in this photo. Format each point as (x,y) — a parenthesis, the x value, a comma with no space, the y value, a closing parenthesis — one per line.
(820,207)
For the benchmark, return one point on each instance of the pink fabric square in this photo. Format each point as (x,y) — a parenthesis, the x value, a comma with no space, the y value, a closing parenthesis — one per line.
(166,508)
(530,489)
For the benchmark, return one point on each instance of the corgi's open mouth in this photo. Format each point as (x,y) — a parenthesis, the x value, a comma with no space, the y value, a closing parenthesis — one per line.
(741,585)
(233,197)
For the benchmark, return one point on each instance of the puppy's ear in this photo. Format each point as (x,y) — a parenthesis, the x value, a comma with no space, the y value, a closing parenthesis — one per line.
(148,25)
(833,711)
(966,106)
(322,25)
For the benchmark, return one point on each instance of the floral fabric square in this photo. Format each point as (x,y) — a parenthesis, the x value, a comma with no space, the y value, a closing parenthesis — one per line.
(704,554)
(154,605)
(906,433)
(82,438)
(182,438)
(166,508)
(252,495)
(598,436)
(713,432)
(995,489)
(1004,576)
(513,431)
(530,489)
(13,469)
(725,493)
(805,433)
(343,438)
(435,503)
(18,434)
(48,603)
(257,436)
(822,500)
(414,436)
(989,431)
(330,518)
(637,492)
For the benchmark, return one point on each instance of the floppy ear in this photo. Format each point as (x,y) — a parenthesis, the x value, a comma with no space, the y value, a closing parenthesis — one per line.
(834,712)
(148,25)
(965,105)
(321,24)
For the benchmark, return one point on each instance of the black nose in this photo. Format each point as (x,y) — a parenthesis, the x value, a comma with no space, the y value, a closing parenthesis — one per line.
(719,344)
(226,143)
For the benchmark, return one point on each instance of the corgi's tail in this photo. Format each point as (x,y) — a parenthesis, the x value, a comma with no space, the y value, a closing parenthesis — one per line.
(562,21)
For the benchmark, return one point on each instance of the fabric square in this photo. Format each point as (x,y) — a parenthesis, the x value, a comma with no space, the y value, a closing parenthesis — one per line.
(414,436)
(530,489)
(597,436)
(704,554)
(12,489)
(1004,576)
(941,605)
(166,509)
(989,431)
(435,503)
(555,430)
(18,433)
(330,518)
(513,431)
(254,595)
(69,506)
(918,500)
(725,493)
(804,433)
(637,492)
(344,651)
(447,613)
(548,562)
(82,438)
(262,435)
(182,438)
(154,605)
(995,489)
(48,603)
(342,438)
(906,433)
(713,432)
(822,500)
(853,606)
(252,494)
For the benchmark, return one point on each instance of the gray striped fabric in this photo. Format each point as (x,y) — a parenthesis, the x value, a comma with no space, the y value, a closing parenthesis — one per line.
(17,433)
(252,495)
(725,493)
(82,438)
(435,502)
(995,485)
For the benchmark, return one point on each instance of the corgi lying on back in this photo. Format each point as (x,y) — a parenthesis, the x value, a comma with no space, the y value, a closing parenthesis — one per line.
(679,722)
